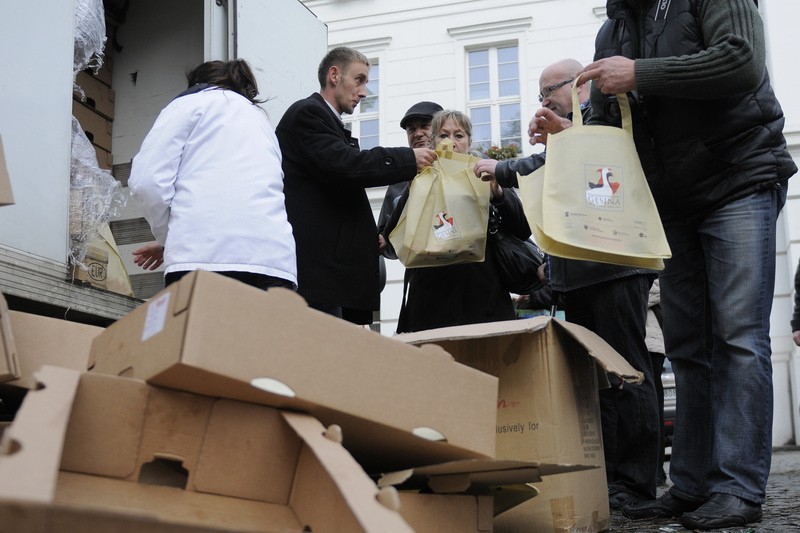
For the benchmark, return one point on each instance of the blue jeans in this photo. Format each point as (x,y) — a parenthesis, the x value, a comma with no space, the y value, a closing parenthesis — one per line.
(617,311)
(716,299)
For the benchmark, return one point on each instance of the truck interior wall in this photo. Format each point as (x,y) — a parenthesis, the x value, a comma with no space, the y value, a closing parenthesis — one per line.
(154,46)
(160,41)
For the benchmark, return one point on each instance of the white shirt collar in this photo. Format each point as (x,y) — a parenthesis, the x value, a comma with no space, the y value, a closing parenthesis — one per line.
(339,115)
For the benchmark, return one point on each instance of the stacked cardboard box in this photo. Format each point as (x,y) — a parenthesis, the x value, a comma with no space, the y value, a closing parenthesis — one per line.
(117,445)
(94,110)
(217,438)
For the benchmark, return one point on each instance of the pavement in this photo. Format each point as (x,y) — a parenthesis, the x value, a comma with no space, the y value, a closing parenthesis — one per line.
(781,512)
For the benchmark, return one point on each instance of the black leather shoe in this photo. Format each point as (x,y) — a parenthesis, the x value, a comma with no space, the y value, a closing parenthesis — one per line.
(667,506)
(722,510)
(619,498)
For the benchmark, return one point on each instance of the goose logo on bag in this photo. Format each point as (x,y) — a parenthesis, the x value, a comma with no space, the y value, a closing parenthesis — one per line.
(444,226)
(603,187)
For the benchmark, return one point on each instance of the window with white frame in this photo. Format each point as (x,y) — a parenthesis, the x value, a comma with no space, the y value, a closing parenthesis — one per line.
(365,121)
(493,96)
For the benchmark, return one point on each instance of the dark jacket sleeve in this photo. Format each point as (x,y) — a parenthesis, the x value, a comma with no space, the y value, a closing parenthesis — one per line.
(512,215)
(311,137)
(391,223)
(796,316)
(732,62)
(506,171)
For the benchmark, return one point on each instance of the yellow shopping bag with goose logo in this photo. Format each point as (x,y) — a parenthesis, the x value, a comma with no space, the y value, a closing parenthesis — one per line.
(446,216)
(591,200)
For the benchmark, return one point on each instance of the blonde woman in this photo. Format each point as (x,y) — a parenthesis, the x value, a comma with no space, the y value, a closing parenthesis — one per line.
(466,293)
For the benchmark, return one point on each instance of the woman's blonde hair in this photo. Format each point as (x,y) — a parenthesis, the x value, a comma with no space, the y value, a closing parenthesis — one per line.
(440,117)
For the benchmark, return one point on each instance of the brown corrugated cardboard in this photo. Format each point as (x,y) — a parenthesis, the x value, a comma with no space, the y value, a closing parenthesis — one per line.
(32,517)
(9,362)
(96,271)
(97,127)
(97,95)
(105,159)
(399,405)
(547,410)
(42,340)
(185,459)
(447,513)
(505,483)
(6,198)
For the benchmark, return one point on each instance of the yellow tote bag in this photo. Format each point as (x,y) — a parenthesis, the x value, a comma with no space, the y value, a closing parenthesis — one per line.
(531,190)
(445,219)
(593,202)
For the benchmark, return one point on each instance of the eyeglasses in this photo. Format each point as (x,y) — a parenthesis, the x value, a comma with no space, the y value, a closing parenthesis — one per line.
(550,89)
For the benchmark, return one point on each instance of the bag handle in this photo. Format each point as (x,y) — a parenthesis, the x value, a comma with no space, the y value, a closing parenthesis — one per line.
(624,109)
(445,149)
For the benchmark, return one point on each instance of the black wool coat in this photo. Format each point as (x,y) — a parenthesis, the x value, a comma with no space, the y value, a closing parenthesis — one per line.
(325,173)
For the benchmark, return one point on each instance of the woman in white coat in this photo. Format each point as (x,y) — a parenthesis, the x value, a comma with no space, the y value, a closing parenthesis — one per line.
(209,179)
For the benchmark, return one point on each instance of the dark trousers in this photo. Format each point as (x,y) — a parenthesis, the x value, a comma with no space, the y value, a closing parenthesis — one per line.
(260,281)
(617,311)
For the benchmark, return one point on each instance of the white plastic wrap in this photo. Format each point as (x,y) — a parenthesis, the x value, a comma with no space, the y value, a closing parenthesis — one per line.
(95,196)
(90,34)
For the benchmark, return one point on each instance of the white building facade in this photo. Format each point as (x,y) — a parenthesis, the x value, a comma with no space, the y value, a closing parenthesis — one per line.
(484,57)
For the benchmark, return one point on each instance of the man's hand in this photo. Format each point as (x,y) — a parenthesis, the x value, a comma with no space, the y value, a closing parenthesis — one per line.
(381,243)
(545,122)
(425,157)
(485,169)
(150,256)
(612,75)
(796,336)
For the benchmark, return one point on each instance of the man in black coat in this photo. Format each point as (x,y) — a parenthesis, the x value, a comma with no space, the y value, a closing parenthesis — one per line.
(325,174)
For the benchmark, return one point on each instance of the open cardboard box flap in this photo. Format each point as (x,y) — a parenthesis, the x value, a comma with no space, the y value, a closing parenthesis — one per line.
(42,340)
(114,444)
(509,482)
(606,357)
(399,405)
(475,476)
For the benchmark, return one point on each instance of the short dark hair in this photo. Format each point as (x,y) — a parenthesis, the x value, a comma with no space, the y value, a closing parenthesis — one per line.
(235,75)
(341,56)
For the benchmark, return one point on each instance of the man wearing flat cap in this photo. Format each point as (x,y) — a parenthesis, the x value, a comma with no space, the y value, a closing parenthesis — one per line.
(417,125)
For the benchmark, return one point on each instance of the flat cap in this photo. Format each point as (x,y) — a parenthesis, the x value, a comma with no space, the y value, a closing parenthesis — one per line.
(423,110)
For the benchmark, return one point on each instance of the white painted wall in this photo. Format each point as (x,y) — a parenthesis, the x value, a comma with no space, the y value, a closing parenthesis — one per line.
(420,46)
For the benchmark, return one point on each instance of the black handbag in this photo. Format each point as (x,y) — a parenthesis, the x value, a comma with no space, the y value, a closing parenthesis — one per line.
(517,261)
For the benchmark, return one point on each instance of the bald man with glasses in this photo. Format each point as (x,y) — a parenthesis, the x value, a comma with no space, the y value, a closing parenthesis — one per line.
(610,300)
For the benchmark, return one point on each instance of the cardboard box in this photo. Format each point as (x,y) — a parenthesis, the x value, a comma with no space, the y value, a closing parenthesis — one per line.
(96,95)
(465,496)
(547,410)
(6,198)
(96,271)
(43,340)
(399,405)
(9,362)
(185,459)
(33,517)
(105,159)
(97,127)
(447,513)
